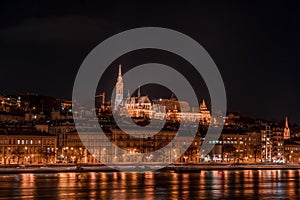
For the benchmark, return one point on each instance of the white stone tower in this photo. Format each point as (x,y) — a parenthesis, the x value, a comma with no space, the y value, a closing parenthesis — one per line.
(119,89)
(286,132)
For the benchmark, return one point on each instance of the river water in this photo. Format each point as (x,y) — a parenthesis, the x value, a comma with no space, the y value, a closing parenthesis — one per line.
(244,184)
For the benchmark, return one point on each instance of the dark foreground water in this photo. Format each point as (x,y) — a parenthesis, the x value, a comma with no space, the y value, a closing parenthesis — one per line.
(246,184)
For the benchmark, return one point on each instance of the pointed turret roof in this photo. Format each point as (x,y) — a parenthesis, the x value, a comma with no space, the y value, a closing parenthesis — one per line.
(120,70)
(139,92)
(128,94)
(203,105)
(286,133)
(119,79)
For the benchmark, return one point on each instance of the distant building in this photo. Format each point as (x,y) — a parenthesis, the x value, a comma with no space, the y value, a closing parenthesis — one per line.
(7,116)
(292,151)
(135,149)
(205,117)
(61,114)
(272,144)
(26,146)
(241,147)
(170,109)
(60,128)
(277,142)
(266,138)
(139,106)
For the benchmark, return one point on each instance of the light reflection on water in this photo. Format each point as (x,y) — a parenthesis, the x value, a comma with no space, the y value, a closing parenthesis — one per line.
(246,184)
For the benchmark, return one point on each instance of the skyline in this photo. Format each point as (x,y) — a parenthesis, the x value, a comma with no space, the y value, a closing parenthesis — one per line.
(149,99)
(254,47)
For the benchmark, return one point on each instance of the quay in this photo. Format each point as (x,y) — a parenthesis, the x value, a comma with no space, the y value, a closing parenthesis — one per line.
(187,168)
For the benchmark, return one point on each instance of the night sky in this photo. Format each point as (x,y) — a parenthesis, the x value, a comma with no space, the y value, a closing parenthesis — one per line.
(255,46)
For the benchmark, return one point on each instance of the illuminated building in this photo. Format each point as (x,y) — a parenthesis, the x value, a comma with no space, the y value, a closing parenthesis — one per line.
(292,151)
(241,147)
(171,109)
(26,146)
(277,143)
(205,117)
(266,136)
(99,149)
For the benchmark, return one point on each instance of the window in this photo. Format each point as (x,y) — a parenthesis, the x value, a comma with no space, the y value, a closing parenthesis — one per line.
(18,141)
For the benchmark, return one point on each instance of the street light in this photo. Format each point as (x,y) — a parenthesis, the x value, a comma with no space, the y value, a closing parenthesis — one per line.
(26,152)
(291,156)
(65,149)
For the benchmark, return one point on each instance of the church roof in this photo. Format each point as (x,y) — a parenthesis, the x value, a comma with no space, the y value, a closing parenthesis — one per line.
(144,99)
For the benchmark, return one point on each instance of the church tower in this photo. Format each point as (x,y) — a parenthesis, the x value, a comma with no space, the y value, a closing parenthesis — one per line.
(119,89)
(286,132)
(205,117)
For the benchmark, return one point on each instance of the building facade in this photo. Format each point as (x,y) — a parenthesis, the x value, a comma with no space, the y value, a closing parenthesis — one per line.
(27,146)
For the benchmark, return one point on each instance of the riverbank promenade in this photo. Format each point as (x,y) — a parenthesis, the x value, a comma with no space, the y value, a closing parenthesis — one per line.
(53,168)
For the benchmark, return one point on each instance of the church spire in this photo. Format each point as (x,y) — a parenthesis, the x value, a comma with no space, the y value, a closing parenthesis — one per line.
(120,74)
(128,94)
(205,117)
(286,132)
(203,105)
(139,92)
(119,89)
(120,71)
(286,122)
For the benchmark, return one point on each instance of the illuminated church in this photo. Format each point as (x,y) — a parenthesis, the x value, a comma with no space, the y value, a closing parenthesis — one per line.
(142,106)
